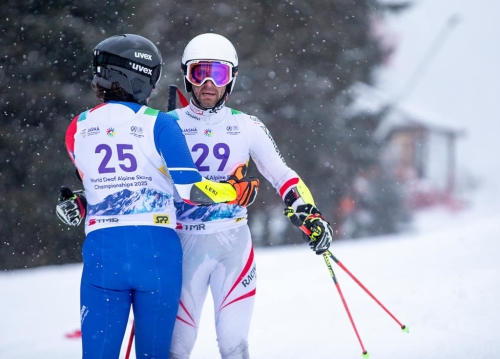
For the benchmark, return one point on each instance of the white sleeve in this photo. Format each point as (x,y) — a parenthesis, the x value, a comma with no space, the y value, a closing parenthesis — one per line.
(267,157)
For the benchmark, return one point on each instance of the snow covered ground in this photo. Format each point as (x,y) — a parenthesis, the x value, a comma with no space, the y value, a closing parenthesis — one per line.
(441,281)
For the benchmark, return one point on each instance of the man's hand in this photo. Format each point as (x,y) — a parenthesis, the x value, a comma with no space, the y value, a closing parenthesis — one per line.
(317,231)
(71,206)
(246,187)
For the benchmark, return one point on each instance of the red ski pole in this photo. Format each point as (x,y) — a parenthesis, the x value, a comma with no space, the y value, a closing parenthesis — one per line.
(330,269)
(130,341)
(404,328)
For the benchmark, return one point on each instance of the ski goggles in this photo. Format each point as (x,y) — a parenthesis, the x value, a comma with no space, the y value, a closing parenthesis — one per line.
(200,71)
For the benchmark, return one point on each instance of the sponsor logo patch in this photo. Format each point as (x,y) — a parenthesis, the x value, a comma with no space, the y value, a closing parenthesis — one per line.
(103,220)
(233,130)
(137,131)
(196,110)
(192,116)
(111,132)
(189,131)
(83,133)
(211,190)
(83,313)
(141,55)
(264,128)
(236,220)
(208,132)
(162,219)
(255,119)
(142,69)
(250,277)
(93,131)
(191,227)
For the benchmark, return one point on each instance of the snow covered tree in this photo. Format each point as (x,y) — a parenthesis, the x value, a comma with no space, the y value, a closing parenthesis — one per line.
(297,64)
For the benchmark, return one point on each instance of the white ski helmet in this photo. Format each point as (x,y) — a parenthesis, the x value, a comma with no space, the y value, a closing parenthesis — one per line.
(210,47)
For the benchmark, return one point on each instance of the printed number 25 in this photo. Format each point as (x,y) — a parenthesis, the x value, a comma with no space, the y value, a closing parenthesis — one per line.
(122,156)
(221,152)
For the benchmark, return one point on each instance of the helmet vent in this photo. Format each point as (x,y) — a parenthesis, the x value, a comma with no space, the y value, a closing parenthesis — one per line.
(137,85)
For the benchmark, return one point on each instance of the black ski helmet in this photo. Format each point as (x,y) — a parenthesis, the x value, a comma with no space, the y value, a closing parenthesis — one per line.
(131,60)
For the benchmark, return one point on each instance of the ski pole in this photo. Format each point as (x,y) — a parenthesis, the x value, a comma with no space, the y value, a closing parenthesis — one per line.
(130,341)
(173,92)
(404,328)
(330,269)
(172,97)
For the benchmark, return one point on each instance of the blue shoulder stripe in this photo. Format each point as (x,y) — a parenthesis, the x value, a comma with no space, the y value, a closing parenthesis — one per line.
(82,116)
(131,105)
(173,114)
(172,147)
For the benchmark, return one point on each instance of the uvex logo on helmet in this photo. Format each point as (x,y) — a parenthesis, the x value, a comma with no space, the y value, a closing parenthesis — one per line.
(143,56)
(143,69)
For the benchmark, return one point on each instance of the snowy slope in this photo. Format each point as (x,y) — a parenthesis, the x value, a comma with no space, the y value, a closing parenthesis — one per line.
(441,281)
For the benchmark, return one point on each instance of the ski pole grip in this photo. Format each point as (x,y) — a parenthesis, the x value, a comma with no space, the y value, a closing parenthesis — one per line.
(172,97)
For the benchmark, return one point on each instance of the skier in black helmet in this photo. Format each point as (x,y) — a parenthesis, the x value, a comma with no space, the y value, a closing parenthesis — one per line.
(131,160)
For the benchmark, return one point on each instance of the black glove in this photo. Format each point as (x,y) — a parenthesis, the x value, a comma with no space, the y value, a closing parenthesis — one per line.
(71,206)
(317,232)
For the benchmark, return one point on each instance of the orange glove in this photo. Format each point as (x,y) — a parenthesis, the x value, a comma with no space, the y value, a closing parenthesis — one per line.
(246,187)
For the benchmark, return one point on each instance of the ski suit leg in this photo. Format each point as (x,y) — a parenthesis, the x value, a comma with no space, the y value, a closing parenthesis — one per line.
(233,286)
(139,264)
(103,325)
(157,291)
(197,265)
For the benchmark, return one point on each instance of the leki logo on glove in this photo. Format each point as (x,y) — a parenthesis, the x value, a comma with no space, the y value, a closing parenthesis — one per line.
(111,132)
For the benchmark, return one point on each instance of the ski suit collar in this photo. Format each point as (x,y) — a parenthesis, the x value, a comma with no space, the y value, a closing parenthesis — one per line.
(207,116)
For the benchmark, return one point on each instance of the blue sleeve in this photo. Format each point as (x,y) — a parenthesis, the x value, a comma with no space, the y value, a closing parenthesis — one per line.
(172,147)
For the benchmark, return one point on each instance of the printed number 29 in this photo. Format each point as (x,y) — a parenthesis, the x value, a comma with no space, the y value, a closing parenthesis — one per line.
(122,156)
(221,152)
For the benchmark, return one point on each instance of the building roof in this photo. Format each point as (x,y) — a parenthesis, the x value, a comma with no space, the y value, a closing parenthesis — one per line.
(400,115)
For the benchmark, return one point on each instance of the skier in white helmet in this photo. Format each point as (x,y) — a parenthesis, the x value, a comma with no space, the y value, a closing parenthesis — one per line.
(216,241)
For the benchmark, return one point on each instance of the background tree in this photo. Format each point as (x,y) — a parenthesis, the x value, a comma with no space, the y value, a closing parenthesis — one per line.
(296,67)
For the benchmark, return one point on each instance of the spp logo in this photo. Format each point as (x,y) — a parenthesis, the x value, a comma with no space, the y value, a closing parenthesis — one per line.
(162,219)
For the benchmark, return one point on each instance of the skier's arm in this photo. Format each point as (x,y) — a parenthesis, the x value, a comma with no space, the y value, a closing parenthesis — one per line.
(271,164)
(301,209)
(191,186)
(71,206)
